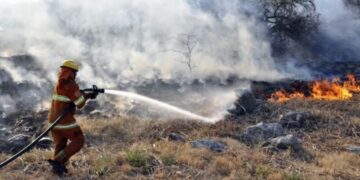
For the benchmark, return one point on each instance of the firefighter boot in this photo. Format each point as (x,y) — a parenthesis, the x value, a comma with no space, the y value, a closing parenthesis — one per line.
(58,168)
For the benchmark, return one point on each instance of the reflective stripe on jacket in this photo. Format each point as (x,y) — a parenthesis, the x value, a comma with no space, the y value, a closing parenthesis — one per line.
(60,98)
(65,126)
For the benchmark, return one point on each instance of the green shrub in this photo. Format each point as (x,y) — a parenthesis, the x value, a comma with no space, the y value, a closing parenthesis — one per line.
(136,158)
(103,165)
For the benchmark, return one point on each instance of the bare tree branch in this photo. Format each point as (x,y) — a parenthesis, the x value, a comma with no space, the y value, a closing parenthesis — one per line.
(188,43)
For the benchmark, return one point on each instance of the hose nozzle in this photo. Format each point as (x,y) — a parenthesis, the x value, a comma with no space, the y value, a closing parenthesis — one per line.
(94,89)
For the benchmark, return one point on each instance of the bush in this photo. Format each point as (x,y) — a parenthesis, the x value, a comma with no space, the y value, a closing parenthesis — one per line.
(103,165)
(136,158)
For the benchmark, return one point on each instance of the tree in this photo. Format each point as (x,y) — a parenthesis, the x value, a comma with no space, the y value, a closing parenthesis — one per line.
(290,20)
(187,43)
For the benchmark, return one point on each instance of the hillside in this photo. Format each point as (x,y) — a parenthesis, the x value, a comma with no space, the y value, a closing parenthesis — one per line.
(129,148)
(190,89)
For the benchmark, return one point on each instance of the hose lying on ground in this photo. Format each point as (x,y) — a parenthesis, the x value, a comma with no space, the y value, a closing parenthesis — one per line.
(28,147)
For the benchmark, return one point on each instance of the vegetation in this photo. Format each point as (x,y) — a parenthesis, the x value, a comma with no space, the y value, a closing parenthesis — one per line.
(136,158)
(126,148)
(295,20)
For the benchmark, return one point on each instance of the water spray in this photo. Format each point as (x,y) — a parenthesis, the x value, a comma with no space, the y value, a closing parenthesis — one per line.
(160,104)
(148,100)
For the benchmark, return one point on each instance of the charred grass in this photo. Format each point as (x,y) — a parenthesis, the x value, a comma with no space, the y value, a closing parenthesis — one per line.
(129,148)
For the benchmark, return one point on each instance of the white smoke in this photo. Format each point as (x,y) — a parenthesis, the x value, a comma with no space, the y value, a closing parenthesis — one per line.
(19,74)
(7,105)
(121,42)
(341,25)
(135,39)
(118,42)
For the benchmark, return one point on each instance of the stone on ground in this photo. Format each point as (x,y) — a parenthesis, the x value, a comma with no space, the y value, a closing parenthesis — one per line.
(209,144)
(261,132)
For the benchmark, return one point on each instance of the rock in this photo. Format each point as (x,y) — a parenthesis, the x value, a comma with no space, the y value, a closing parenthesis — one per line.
(17,142)
(209,144)
(261,132)
(289,142)
(245,104)
(354,149)
(44,143)
(294,119)
(284,142)
(176,137)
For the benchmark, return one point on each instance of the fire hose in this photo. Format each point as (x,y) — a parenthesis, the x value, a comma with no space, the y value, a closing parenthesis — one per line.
(94,89)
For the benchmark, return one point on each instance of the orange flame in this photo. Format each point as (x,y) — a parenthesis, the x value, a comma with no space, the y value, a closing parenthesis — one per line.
(323,90)
(282,96)
(351,83)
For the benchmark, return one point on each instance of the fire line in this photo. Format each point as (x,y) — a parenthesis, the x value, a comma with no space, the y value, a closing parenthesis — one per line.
(322,90)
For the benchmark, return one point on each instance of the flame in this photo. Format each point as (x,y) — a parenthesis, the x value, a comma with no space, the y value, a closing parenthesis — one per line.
(351,83)
(282,96)
(323,90)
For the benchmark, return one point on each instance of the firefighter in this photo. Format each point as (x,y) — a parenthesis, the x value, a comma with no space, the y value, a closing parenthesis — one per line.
(67,135)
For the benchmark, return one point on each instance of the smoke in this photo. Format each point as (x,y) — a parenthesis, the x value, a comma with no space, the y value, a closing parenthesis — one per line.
(137,40)
(122,43)
(157,48)
(340,28)
(7,105)
(22,85)
(133,43)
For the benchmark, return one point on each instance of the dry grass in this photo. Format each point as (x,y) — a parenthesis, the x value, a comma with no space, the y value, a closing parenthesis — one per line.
(127,148)
(222,166)
(342,163)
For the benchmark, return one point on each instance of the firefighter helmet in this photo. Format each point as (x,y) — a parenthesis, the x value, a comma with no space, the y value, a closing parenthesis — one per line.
(70,64)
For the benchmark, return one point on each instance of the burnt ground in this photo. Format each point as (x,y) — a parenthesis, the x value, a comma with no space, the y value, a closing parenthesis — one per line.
(320,71)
